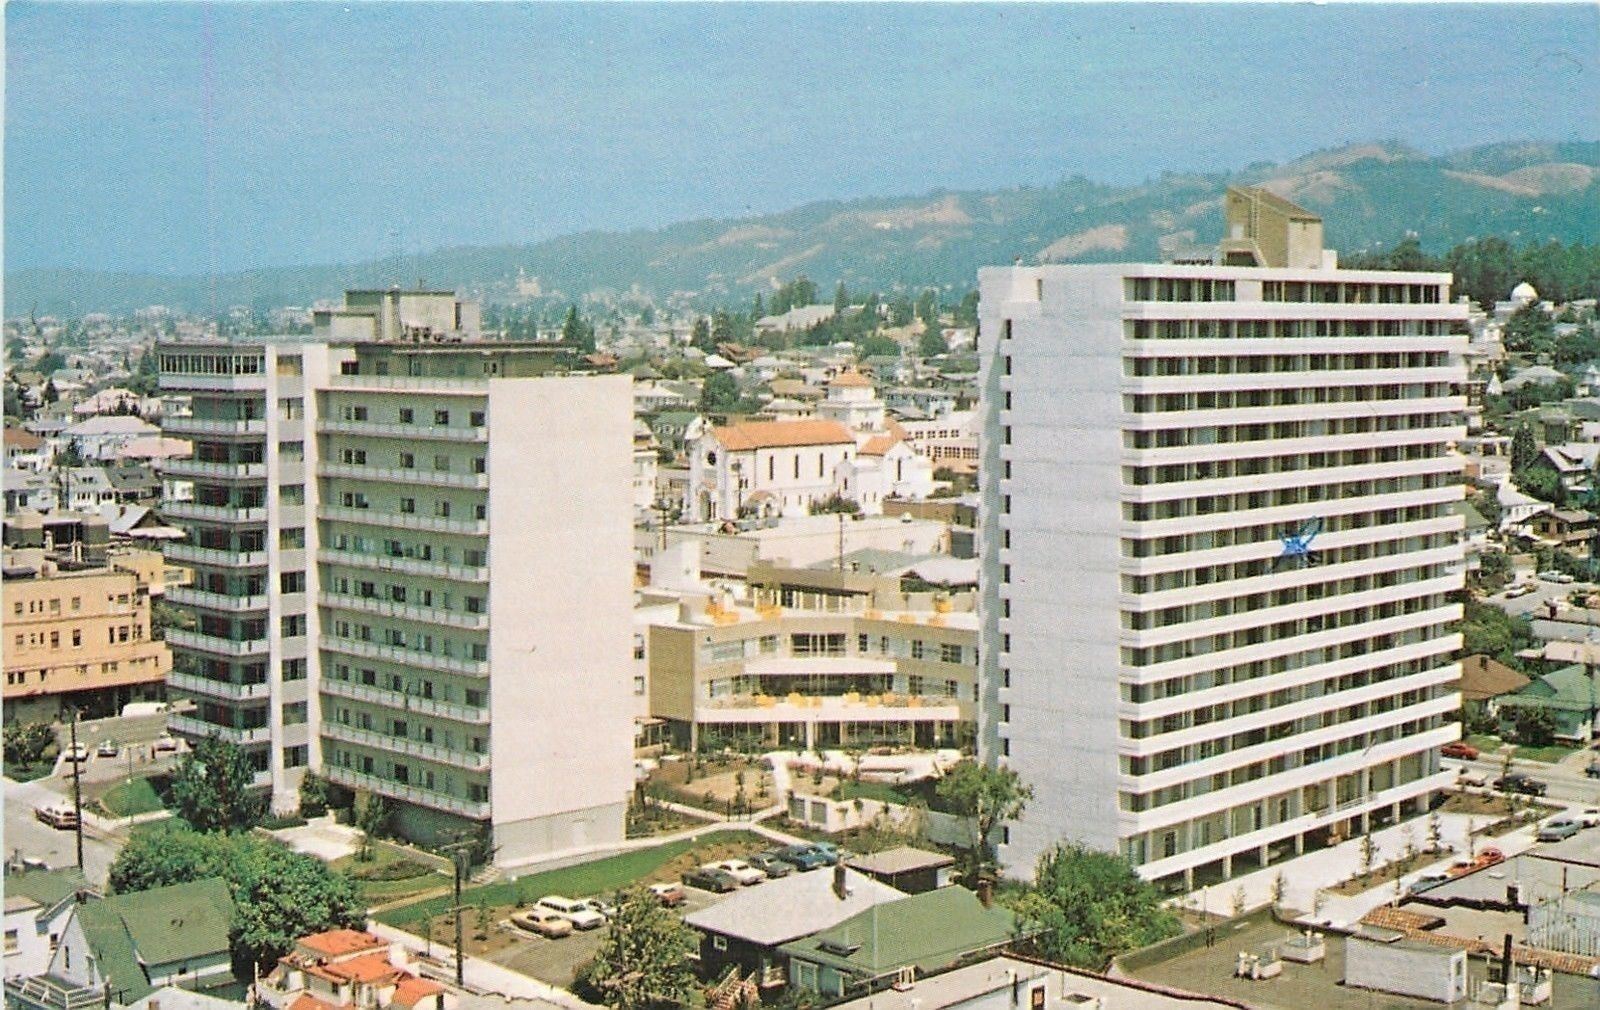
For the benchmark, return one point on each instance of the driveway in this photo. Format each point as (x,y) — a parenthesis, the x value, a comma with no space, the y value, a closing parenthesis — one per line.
(27,835)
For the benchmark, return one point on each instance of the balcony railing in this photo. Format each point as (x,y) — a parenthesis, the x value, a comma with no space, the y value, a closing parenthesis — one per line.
(408,702)
(400,520)
(179,380)
(410,566)
(404,791)
(214,513)
(389,608)
(192,684)
(189,726)
(221,471)
(212,426)
(179,638)
(470,760)
(185,596)
(406,657)
(197,555)
(405,431)
(418,382)
(397,475)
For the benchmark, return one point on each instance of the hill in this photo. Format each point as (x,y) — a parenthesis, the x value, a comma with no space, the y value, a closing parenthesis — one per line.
(1370,195)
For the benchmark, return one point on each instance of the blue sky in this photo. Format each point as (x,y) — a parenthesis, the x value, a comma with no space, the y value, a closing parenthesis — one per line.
(196,137)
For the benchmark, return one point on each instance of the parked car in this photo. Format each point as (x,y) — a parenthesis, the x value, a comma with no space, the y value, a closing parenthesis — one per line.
(1484,859)
(165,742)
(670,895)
(76,753)
(1459,749)
(57,815)
(1520,589)
(710,879)
(1558,828)
(1589,817)
(1551,576)
(771,864)
(1592,769)
(1471,777)
(543,922)
(829,851)
(803,857)
(600,905)
(739,870)
(1431,879)
(574,911)
(107,749)
(1517,782)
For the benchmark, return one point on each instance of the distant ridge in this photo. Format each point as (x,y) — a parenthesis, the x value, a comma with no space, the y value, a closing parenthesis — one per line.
(1371,195)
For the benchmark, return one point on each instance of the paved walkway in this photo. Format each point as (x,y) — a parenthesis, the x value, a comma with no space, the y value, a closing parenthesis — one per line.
(1307,875)
(571,857)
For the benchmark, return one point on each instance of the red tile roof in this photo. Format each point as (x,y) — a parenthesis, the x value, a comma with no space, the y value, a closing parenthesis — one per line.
(337,942)
(780,434)
(306,1001)
(412,990)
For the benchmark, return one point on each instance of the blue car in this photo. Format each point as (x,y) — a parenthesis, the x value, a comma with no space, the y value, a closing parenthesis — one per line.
(804,857)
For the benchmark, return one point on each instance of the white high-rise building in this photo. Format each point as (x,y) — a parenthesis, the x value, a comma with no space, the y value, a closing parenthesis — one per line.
(413,575)
(1218,547)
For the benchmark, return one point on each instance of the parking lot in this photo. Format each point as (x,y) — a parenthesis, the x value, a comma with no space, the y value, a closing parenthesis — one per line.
(556,961)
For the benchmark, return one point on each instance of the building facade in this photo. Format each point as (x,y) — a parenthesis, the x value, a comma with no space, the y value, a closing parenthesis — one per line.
(353,505)
(1218,551)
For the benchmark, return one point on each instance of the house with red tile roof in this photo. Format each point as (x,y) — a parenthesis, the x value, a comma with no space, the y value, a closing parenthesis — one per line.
(344,968)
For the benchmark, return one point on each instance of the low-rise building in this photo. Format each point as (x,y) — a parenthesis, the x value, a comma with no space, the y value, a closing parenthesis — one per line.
(38,904)
(350,968)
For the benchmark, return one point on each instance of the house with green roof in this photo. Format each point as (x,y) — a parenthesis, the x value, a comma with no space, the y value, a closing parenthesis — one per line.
(126,946)
(38,904)
(1568,694)
(899,940)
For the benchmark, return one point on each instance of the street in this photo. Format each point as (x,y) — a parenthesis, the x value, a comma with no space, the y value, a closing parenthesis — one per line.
(1535,603)
(1567,782)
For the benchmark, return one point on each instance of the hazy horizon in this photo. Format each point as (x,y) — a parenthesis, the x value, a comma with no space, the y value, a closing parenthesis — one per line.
(189,139)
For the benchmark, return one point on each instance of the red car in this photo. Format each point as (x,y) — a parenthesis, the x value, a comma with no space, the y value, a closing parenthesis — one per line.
(1459,749)
(670,895)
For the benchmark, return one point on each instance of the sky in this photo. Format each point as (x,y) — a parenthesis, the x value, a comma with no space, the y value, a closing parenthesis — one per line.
(197,137)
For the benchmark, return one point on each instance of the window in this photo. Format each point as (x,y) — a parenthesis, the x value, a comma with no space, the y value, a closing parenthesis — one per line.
(949,653)
(441,463)
(292,494)
(12,943)
(407,461)
(294,757)
(479,419)
(407,415)
(638,685)
(719,942)
(292,582)
(294,669)
(916,648)
(408,506)
(293,539)
(293,625)
(77,637)
(353,457)
(441,508)
(441,417)
(294,713)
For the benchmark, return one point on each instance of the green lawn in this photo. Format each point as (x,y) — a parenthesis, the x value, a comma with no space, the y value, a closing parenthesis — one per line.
(597,877)
(883,792)
(391,874)
(1485,743)
(27,773)
(1549,755)
(135,796)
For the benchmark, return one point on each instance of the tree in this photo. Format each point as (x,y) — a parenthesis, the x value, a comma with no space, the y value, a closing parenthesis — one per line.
(1532,727)
(1530,331)
(1089,906)
(988,797)
(644,960)
(1524,450)
(211,788)
(700,336)
(27,743)
(50,395)
(841,298)
(967,311)
(719,393)
(279,895)
(373,813)
(931,343)
(577,333)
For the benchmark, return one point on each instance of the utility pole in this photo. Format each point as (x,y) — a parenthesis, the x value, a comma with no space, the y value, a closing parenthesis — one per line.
(77,794)
(460,852)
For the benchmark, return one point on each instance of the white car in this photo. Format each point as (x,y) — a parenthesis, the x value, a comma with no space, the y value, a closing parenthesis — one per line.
(1589,817)
(1471,777)
(739,870)
(574,911)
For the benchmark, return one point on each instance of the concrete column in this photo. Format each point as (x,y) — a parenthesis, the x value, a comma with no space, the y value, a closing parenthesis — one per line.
(1300,844)
(1265,858)
(811,734)
(1394,811)
(1227,867)
(1188,879)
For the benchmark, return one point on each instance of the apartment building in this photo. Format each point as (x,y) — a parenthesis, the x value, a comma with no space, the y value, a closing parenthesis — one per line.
(354,504)
(802,658)
(1218,551)
(77,636)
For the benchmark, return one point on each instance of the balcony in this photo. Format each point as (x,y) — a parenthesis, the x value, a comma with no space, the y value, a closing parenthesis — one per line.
(407,702)
(470,760)
(216,558)
(420,383)
(406,657)
(214,513)
(198,729)
(192,684)
(216,471)
(185,596)
(408,793)
(256,381)
(832,708)
(405,431)
(402,521)
(179,426)
(181,639)
(409,566)
(414,475)
(389,608)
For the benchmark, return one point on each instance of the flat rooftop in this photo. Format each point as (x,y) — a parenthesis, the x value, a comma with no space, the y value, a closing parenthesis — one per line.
(1302,986)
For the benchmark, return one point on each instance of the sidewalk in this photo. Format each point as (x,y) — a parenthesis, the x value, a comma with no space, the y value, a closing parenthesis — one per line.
(1304,876)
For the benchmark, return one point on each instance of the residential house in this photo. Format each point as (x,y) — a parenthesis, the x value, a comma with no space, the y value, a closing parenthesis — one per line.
(675,429)
(801,317)
(1533,375)
(947,440)
(1568,694)
(1484,679)
(154,449)
(895,942)
(1517,508)
(650,397)
(746,929)
(101,437)
(1567,464)
(124,947)
(1012,982)
(38,905)
(1572,530)
(25,451)
(350,968)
